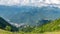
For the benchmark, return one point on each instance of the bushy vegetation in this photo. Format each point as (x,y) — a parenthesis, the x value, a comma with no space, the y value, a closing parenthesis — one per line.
(27,29)
(8,28)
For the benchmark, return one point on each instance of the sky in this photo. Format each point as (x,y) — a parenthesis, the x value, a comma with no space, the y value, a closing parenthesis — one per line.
(29,2)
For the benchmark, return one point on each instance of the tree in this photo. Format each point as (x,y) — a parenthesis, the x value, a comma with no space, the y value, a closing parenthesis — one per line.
(8,28)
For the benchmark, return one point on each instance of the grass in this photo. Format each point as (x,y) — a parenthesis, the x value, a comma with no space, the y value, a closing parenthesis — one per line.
(4,32)
(7,32)
(58,32)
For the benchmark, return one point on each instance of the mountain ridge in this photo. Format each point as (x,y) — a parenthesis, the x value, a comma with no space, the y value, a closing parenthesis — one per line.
(29,14)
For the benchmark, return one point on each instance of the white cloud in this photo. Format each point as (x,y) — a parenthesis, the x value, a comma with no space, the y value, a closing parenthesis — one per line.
(29,2)
(9,2)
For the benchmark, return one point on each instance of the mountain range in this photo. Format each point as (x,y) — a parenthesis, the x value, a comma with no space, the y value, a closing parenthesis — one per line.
(29,14)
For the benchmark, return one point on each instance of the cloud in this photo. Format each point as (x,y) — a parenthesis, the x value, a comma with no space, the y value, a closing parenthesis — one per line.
(29,2)
(52,1)
(9,2)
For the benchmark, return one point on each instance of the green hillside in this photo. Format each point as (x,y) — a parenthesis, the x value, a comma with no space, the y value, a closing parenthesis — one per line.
(50,27)
(7,32)
(4,32)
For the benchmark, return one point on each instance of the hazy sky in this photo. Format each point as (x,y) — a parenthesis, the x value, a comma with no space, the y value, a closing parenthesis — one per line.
(28,2)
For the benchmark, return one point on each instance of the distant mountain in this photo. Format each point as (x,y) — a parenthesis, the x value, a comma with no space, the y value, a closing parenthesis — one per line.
(29,14)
